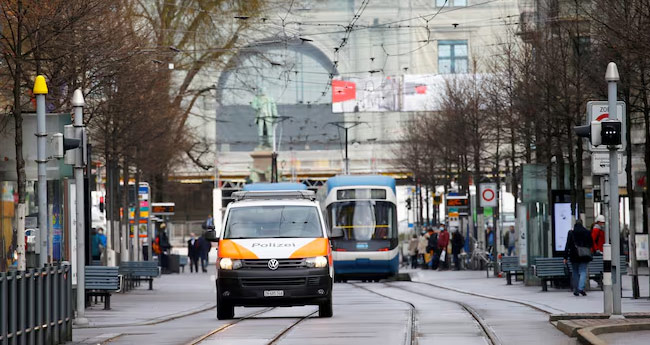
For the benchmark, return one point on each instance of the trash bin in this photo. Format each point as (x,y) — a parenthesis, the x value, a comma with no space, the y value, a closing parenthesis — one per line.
(174,263)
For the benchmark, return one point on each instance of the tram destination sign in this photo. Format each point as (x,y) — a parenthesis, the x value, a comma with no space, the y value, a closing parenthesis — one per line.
(457,203)
(163,208)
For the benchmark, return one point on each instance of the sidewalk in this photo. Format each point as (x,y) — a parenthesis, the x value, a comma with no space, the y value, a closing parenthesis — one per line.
(555,301)
(173,295)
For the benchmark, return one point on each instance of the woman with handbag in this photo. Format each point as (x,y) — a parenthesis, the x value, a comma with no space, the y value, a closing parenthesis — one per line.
(578,249)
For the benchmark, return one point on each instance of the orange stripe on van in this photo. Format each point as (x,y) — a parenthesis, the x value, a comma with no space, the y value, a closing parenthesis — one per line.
(230,249)
(317,247)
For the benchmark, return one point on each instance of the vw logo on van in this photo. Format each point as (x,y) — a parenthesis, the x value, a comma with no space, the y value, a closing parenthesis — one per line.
(273,264)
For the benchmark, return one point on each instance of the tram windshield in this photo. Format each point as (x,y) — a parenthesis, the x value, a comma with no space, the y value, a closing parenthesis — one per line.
(273,222)
(364,220)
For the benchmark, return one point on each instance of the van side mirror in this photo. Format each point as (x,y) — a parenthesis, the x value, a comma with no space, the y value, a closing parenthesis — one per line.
(336,233)
(211,235)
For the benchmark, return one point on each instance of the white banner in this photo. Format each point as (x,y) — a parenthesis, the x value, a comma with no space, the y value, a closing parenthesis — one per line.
(522,230)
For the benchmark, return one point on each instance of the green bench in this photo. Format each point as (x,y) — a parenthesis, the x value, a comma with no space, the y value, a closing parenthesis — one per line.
(554,269)
(101,281)
(136,271)
(510,266)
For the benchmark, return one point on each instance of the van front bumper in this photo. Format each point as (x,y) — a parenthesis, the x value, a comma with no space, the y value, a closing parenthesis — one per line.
(299,286)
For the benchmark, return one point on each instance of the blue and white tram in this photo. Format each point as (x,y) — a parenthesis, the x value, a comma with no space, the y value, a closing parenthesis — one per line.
(364,208)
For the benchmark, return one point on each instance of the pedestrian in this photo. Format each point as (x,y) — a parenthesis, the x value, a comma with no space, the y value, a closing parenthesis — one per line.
(413,251)
(209,223)
(443,242)
(204,247)
(95,243)
(432,248)
(457,243)
(509,240)
(162,247)
(598,235)
(489,237)
(422,249)
(578,249)
(193,253)
(145,249)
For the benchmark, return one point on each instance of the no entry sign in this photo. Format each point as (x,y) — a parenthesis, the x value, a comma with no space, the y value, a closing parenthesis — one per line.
(488,194)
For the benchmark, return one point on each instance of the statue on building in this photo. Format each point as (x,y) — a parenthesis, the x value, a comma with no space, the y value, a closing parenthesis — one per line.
(265,118)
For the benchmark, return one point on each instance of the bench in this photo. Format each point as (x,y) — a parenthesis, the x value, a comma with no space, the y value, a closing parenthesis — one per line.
(510,265)
(553,268)
(136,271)
(183,262)
(101,281)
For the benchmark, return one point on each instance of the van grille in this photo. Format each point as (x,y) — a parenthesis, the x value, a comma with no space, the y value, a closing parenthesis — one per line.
(273,281)
(263,263)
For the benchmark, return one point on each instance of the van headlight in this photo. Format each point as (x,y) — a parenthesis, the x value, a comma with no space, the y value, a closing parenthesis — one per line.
(229,264)
(316,262)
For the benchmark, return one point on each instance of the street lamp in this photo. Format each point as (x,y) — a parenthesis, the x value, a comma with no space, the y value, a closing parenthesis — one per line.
(346,126)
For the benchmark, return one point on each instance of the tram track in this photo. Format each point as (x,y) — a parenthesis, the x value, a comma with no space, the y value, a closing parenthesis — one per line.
(248,317)
(490,335)
(495,298)
(411,337)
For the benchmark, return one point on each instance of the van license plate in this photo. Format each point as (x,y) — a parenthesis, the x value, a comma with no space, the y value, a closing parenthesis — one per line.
(273,293)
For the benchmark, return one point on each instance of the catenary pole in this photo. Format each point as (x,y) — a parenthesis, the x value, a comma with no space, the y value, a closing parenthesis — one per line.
(612,78)
(40,90)
(78,105)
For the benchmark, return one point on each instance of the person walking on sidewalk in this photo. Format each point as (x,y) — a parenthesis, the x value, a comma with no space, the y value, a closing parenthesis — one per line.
(413,251)
(422,248)
(193,252)
(443,242)
(432,248)
(457,242)
(578,249)
(204,251)
(598,235)
(509,240)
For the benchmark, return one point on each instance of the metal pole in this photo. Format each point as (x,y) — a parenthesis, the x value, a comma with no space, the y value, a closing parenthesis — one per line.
(78,104)
(607,252)
(347,162)
(612,78)
(40,90)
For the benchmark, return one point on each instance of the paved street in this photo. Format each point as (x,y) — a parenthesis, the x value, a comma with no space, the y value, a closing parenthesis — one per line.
(181,310)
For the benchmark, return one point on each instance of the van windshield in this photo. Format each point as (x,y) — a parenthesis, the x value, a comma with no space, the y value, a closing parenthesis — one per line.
(273,222)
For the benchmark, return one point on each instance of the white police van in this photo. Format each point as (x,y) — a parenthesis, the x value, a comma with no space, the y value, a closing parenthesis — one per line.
(273,250)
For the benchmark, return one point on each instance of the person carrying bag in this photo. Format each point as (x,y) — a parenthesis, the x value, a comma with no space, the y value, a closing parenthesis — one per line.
(578,249)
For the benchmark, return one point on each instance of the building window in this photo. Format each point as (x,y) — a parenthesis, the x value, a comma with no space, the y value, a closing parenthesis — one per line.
(451,3)
(452,57)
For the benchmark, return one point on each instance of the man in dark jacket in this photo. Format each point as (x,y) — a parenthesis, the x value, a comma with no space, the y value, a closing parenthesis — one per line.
(204,246)
(578,249)
(457,243)
(432,247)
(194,253)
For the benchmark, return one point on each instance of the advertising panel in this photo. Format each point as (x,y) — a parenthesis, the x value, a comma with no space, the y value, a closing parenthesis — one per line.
(421,92)
(379,94)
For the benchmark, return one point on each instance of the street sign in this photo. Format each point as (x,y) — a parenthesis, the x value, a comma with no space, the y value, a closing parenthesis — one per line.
(600,163)
(488,194)
(599,111)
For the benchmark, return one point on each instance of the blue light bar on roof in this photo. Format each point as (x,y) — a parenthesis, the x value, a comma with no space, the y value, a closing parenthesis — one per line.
(262,186)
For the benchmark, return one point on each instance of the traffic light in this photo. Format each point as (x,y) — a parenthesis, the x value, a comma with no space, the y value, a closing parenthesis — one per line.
(591,131)
(70,144)
(408,203)
(611,133)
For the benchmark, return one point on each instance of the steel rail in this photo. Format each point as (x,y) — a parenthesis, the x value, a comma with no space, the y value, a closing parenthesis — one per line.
(411,337)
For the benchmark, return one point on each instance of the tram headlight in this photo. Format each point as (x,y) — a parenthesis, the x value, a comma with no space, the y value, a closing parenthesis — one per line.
(316,262)
(229,264)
